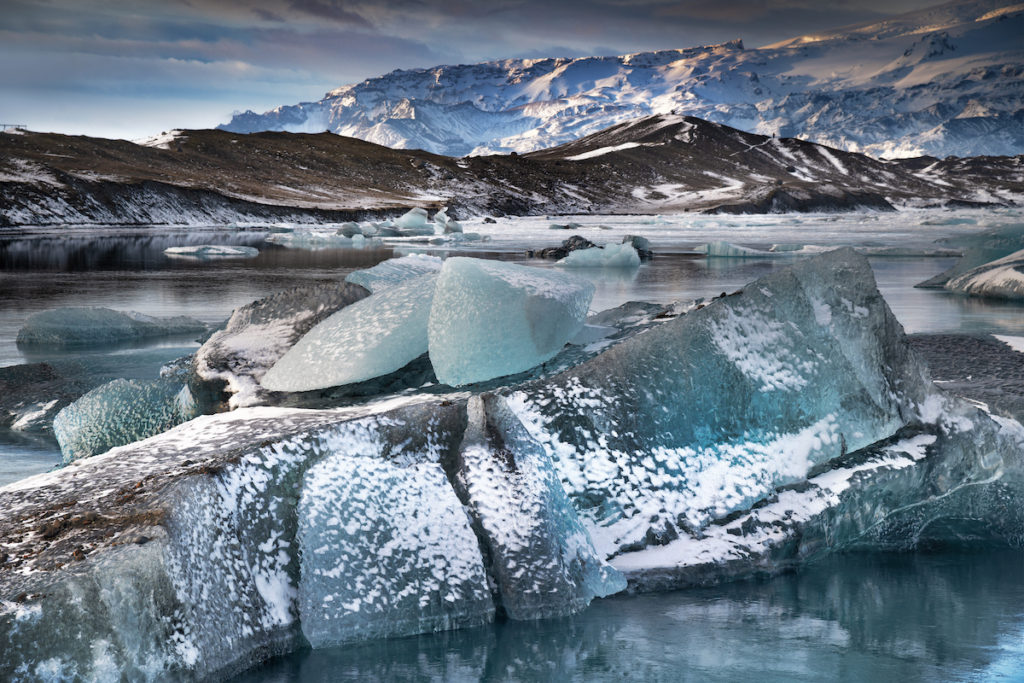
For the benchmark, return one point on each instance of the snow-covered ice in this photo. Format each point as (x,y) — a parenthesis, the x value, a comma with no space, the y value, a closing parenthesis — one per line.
(394,270)
(212,251)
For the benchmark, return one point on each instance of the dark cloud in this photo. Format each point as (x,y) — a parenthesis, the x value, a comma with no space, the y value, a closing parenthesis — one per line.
(157,64)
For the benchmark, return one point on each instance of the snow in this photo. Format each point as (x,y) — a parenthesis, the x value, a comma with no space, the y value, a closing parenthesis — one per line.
(162,141)
(601,151)
(1015,343)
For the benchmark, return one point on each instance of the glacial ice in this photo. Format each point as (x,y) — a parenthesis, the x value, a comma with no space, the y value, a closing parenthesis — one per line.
(98,326)
(543,560)
(393,271)
(370,338)
(414,222)
(769,428)
(491,319)
(121,412)
(979,249)
(387,550)
(999,279)
(444,224)
(258,334)
(609,256)
(705,414)
(323,239)
(212,251)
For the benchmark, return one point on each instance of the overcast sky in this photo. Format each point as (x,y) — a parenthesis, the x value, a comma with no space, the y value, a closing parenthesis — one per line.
(129,68)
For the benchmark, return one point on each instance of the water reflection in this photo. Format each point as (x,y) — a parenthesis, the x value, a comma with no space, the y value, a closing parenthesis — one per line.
(853,618)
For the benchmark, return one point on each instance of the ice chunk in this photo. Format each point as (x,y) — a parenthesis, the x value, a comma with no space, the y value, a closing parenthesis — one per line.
(491,319)
(387,550)
(542,558)
(121,412)
(393,271)
(370,338)
(609,256)
(99,326)
(445,225)
(979,249)
(322,239)
(1000,279)
(414,222)
(258,334)
(709,412)
(212,251)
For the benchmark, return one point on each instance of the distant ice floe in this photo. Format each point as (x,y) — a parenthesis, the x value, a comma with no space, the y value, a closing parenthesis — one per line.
(212,251)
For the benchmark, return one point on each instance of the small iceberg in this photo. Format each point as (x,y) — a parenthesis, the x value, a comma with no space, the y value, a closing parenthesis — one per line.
(212,251)
(86,326)
(609,256)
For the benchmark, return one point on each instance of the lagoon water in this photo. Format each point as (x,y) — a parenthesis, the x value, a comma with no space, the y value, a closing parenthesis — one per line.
(855,618)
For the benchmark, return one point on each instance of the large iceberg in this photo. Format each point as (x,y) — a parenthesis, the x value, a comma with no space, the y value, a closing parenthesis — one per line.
(393,271)
(979,249)
(491,319)
(1000,279)
(370,338)
(121,412)
(691,421)
(258,334)
(98,326)
(768,428)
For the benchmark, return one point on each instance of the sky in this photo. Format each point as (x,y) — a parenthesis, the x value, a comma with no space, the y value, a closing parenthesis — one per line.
(133,68)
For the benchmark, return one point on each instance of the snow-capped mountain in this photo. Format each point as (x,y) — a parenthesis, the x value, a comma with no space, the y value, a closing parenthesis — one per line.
(943,81)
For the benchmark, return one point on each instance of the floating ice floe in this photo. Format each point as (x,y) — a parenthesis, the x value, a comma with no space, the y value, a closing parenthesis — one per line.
(370,338)
(979,249)
(212,251)
(394,270)
(609,256)
(491,319)
(1000,279)
(323,239)
(99,326)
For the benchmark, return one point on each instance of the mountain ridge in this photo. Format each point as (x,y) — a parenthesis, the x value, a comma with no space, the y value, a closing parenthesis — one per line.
(891,89)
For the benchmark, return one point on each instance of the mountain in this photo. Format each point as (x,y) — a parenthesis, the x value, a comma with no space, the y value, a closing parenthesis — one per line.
(943,81)
(661,163)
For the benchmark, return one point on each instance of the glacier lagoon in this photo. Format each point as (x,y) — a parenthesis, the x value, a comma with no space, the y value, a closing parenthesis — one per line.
(672,275)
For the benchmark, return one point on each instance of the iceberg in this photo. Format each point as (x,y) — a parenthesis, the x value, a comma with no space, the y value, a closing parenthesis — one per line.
(609,256)
(323,239)
(119,413)
(543,560)
(387,550)
(414,222)
(668,431)
(394,270)
(258,334)
(979,249)
(999,279)
(370,338)
(212,251)
(491,319)
(99,326)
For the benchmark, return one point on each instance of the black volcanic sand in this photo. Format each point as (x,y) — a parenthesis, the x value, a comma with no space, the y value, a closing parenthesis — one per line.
(977,367)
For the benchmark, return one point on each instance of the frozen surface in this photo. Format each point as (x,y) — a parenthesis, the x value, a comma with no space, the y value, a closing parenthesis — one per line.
(258,335)
(99,326)
(491,319)
(544,562)
(212,251)
(120,412)
(1000,279)
(387,551)
(675,428)
(370,338)
(608,256)
(393,271)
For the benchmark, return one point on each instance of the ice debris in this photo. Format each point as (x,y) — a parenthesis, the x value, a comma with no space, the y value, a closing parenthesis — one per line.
(609,256)
(370,338)
(1000,279)
(395,270)
(258,334)
(99,326)
(119,413)
(212,251)
(491,319)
